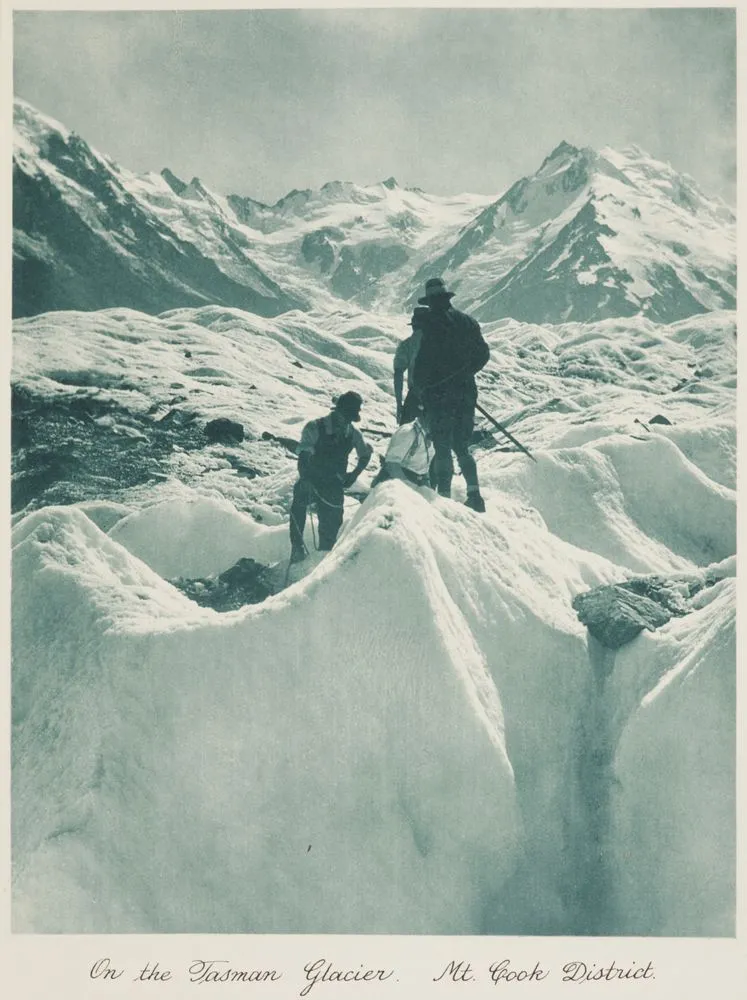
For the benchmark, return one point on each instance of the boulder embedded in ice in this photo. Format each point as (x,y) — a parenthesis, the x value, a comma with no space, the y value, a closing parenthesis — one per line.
(246,582)
(615,615)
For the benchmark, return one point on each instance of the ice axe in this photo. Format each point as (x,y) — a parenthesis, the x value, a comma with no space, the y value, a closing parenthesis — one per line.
(503,431)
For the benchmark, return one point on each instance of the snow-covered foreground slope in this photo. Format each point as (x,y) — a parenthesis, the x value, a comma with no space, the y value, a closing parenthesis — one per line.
(418,737)
(685,726)
(328,763)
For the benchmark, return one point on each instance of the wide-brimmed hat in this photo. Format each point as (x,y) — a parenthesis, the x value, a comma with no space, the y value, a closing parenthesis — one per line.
(349,405)
(434,289)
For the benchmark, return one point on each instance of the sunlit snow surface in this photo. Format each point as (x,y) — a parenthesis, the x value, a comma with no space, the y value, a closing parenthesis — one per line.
(417,736)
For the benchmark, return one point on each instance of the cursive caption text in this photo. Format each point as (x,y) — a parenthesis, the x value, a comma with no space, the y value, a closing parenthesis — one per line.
(317,977)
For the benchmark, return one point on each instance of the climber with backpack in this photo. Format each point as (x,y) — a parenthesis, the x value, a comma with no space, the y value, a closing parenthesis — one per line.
(452,350)
(323,478)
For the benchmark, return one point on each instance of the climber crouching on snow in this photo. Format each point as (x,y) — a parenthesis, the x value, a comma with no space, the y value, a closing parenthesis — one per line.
(452,350)
(323,454)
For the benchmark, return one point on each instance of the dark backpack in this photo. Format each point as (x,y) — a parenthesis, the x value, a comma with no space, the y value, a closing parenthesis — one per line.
(451,351)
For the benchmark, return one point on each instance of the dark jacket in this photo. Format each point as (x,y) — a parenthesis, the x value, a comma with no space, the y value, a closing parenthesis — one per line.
(451,351)
(324,448)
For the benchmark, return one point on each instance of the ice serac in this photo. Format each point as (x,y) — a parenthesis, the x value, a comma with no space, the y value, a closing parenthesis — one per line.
(593,235)
(349,783)
(89,234)
(673,804)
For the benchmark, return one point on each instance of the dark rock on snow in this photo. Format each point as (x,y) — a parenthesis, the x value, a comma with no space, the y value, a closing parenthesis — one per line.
(224,431)
(615,615)
(246,582)
(68,448)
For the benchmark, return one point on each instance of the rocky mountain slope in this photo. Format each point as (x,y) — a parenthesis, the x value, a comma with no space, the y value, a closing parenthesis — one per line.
(595,235)
(84,237)
(588,236)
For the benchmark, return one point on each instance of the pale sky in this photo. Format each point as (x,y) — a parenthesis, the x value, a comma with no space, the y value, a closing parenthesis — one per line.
(260,102)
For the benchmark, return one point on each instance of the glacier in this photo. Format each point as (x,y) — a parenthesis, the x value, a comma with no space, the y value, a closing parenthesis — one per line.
(415,733)
(418,736)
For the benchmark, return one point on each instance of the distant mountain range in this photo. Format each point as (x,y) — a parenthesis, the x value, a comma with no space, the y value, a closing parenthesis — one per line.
(590,235)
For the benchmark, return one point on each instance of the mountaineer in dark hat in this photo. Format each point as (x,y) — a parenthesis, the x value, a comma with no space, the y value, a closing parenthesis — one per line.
(452,350)
(404,361)
(322,471)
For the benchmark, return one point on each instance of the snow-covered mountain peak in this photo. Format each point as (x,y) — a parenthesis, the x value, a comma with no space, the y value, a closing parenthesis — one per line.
(334,191)
(177,185)
(659,180)
(594,234)
(36,136)
(562,157)
(588,235)
(34,125)
(562,149)
(89,234)
(197,190)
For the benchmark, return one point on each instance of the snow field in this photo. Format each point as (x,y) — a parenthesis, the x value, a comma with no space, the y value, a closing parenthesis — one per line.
(460,762)
(514,581)
(711,445)
(672,501)
(196,537)
(238,365)
(640,504)
(271,377)
(206,735)
(437,748)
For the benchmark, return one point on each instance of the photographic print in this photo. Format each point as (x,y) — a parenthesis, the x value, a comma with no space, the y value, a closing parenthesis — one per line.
(373,475)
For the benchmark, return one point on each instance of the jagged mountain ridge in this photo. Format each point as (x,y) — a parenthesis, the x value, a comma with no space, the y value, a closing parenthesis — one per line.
(84,237)
(588,236)
(344,239)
